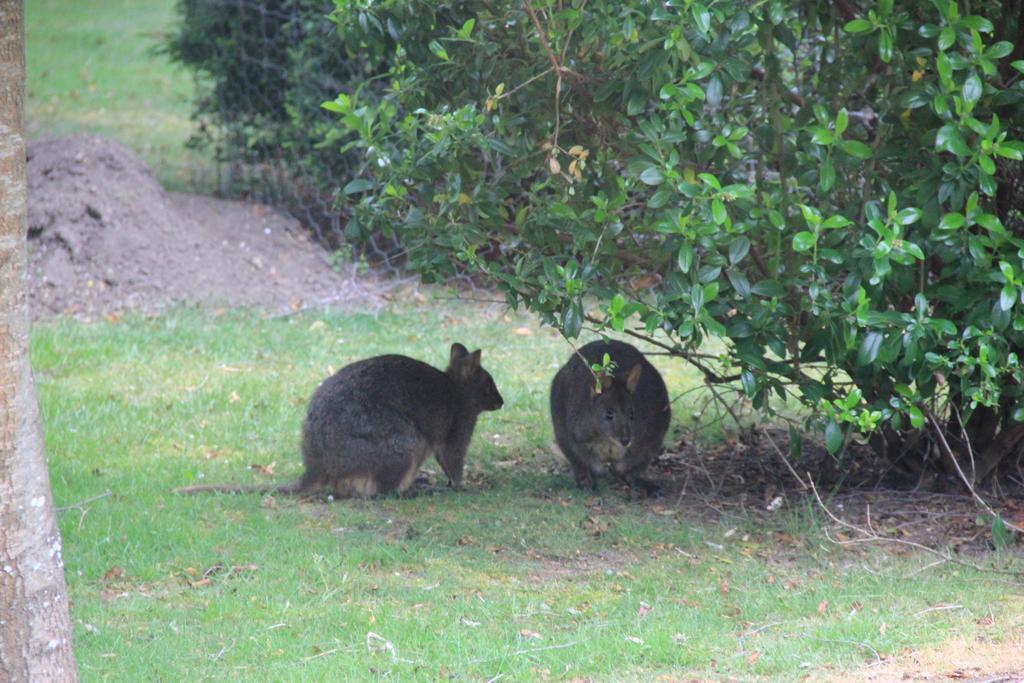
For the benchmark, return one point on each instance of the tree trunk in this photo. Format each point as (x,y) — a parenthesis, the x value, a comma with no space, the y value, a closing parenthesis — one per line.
(35,629)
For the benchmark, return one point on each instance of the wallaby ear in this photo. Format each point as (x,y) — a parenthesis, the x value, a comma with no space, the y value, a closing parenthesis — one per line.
(474,361)
(458,352)
(633,378)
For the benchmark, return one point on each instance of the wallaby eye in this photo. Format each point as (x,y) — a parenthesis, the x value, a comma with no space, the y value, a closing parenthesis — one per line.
(609,415)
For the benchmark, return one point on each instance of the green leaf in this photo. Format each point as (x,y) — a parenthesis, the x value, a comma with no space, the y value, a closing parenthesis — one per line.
(916,417)
(718,211)
(836,221)
(952,221)
(710,181)
(660,198)
(833,437)
(823,136)
(986,164)
(913,250)
(972,89)
(949,139)
(749,382)
(335,106)
(999,50)
(714,327)
(945,70)
(842,121)
(697,297)
(467,28)
(826,175)
(739,282)
(572,320)
(857,26)
(652,176)
(908,216)
(868,351)
(1009,151)
(738,249)
(358,185)
(991,223)
(811,215)
(946,38)
(710,291)
(685,257)
(804,241)
(768,288)
(885,41)
(713,91)
(856,148)
(438,51)
(980,24)
(1007,295)
(701,16)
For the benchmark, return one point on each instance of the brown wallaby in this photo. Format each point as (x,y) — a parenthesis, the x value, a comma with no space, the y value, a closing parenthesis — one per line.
(370,426)
(610,422)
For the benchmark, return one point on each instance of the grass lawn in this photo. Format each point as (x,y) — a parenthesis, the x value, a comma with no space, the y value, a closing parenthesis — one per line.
(92,68)
(520,577)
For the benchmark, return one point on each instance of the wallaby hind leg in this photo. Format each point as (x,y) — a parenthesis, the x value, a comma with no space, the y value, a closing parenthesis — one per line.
(356,486)
(400,463)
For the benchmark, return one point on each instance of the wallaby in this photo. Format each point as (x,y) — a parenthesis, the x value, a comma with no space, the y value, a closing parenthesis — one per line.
(370,426)
(614,422)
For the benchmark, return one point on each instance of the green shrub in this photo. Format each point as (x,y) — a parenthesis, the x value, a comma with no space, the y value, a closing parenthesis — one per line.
(827,189)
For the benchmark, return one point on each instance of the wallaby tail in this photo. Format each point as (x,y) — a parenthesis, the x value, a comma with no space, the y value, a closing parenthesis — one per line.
(290,489)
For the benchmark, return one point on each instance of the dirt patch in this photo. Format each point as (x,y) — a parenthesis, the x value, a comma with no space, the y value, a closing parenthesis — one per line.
(105,238)
(542,568)
(981,658)
(745,477)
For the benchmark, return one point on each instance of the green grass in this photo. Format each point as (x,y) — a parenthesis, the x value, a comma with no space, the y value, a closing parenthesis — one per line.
(92,68)
(520,575)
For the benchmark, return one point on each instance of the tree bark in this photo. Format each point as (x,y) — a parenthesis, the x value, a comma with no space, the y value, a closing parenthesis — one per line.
(35,628)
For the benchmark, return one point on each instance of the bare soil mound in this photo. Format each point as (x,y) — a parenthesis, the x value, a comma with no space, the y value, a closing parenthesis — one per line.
(104,237)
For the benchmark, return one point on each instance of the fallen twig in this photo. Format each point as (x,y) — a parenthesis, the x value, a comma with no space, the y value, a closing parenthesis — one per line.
(963,477)
(878,657)
(870,536)
(85,502)
(321,654)
(938,608)
(925,568)
(526,651)
(784,459)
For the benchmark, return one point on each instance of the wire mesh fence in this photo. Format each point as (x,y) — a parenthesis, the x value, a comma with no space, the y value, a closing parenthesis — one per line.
(263,68)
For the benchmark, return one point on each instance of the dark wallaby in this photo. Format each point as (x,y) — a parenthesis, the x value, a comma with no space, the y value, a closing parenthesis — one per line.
(370,426)
(612,422)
